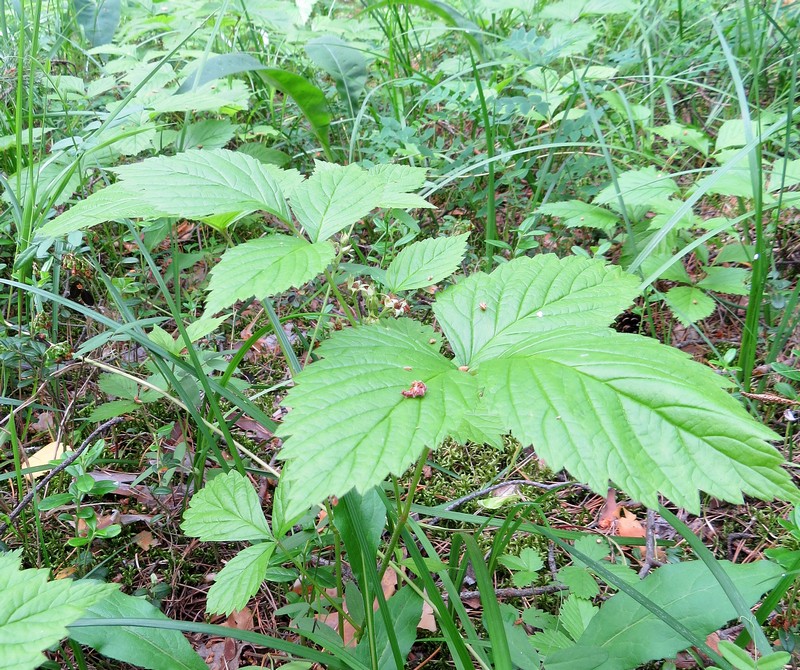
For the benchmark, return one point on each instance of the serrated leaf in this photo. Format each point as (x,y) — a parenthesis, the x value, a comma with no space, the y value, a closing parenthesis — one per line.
(726,280)
(117,385)
(425,262)
(217,66)
(689,304)
(579,581)
(351,425)
(334,197)
(624,408)
(34,612)
(200,183)
(109,204)
(197,330)
(575,615)
(639,188)
(398,183)
(240,579)
(485,316)
(264,267)
(632,635)
(226,509)
(109,410)
(152,648)
(685,135)
(575,214)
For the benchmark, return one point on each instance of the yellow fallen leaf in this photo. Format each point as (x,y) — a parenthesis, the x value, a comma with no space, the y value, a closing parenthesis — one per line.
(43,456)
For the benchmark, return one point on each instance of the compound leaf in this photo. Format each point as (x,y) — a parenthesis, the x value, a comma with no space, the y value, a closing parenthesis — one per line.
(426,262)
(351,425)
(485,315)
(226,509)
(263,267)
(625,408)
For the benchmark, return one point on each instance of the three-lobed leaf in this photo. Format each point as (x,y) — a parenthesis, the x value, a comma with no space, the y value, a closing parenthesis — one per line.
(533,356)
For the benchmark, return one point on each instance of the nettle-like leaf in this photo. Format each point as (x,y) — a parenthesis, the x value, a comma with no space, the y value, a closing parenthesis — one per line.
(689,304)
(484,315)
(425,262)
(334,197)
(265,266)
(240,579)
(532,350)
(352,425)
(226,509)
(198,183)
(35,612)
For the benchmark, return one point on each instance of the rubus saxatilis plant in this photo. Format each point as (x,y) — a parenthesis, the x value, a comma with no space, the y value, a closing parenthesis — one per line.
(528,348)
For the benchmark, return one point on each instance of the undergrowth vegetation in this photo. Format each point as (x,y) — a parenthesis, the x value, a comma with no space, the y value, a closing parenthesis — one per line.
(399,334)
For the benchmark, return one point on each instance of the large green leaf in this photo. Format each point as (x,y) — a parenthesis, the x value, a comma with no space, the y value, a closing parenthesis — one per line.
(689,304)
(217,66)
(627,634)
(34,612)
(216,181)
(334,197)
(485,315)
(265,266)
(351,425)
(109,204)
(426,262)
(152,648)
(345,63)
(309,98)
(98,18)
(226,509)
(240,579)
(625,408)
(638,188)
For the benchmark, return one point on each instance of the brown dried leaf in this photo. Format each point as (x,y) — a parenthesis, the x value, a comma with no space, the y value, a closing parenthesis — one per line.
(43,456)
(145,540)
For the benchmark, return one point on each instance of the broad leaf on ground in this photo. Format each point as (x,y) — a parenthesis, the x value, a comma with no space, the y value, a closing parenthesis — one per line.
(226,509)
(264,267)
(34,612)
(575,214)
(629,634)
(152,648)
(638,188)
(426,262)
(351,425)
(345,63)
(483,316)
